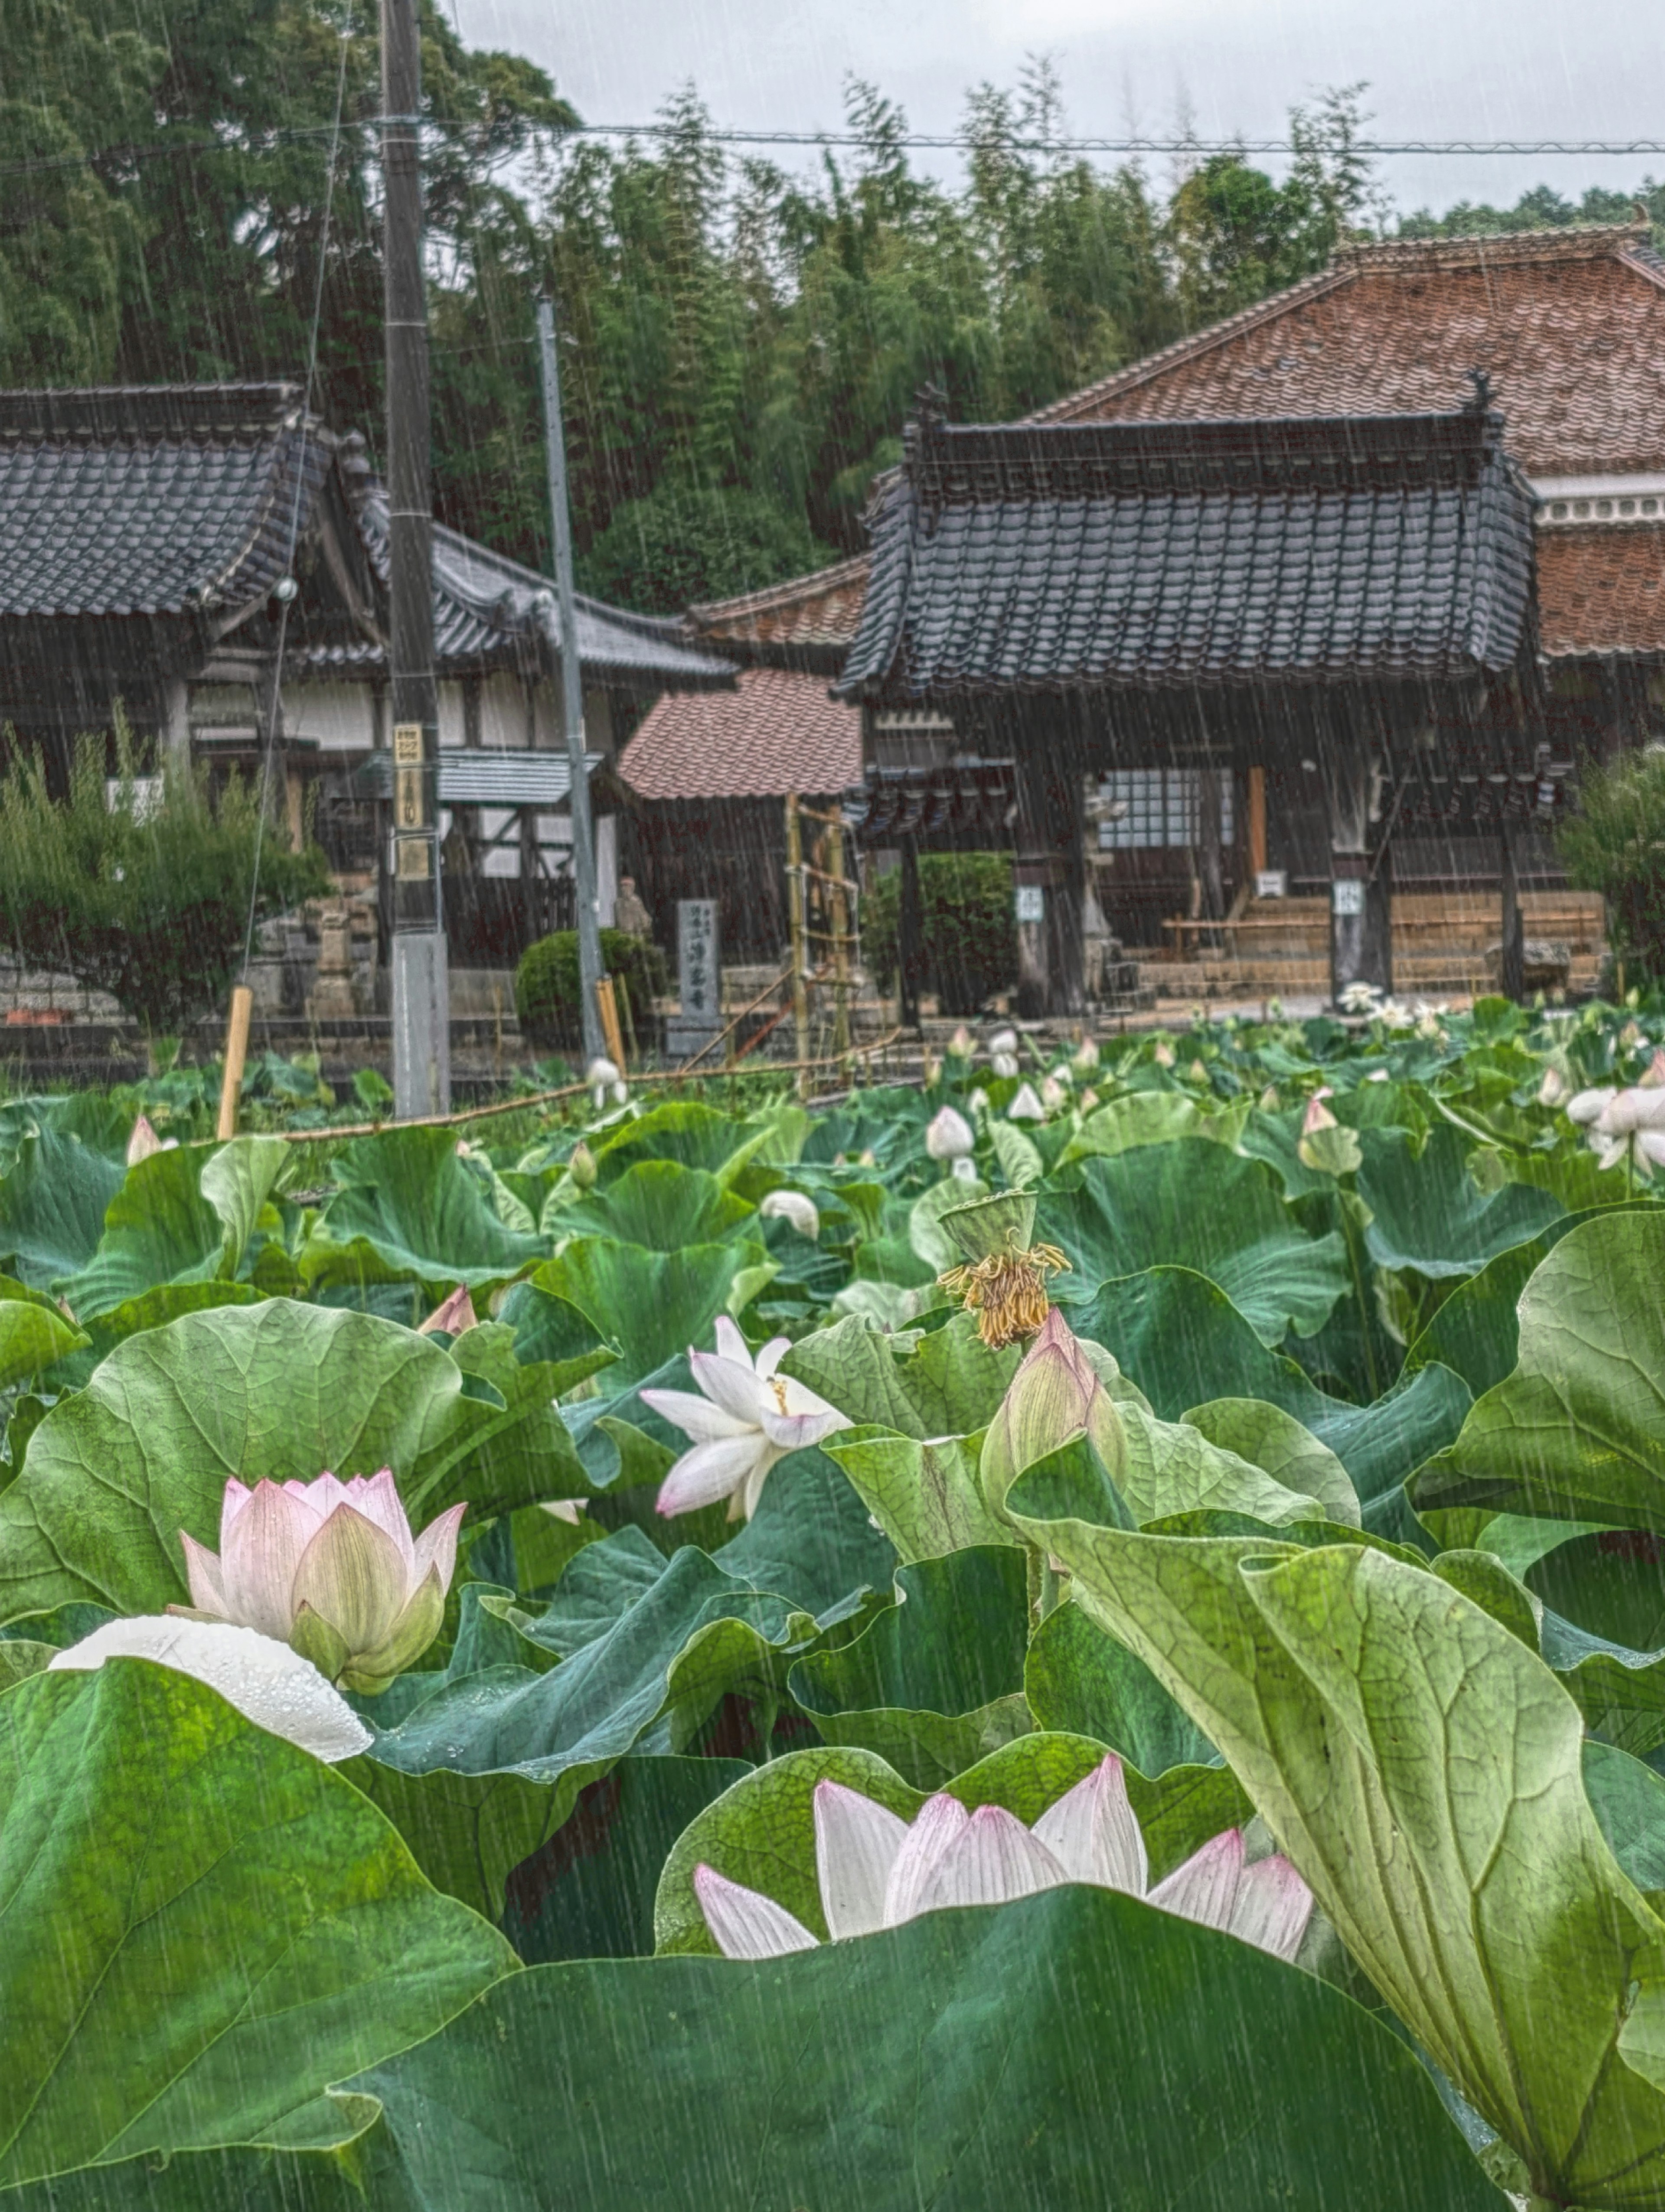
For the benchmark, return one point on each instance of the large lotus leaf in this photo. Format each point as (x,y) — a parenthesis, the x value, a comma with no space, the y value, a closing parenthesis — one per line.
(811,1540)
(1173,1467)
(1200,1207)
(51,1204)
(1079,1680)
(1275,1441)
(277,1389)
(204,1928)
(360,2174)
(1421,1767)
(237,1181)
(588,1892)
(948,1383)
(981,2060)
(407,1194)
(762,1832)
(927,1498)
(1428,1212)
(934,1682)
(1152,1117)
(33,1334)
(693,1634)
(651,1304)
(1621,1691)
(523,1452)
(659,1204)
(685,1132)
(1575,1431)
(1628,1800)
(1183,1342)
(158,1228)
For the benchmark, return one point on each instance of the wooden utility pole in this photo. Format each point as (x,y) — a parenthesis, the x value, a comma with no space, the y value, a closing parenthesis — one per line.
(797,920)
(420,986)
(572,688)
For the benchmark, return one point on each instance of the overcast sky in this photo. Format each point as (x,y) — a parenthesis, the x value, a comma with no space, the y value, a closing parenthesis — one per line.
(1437,68)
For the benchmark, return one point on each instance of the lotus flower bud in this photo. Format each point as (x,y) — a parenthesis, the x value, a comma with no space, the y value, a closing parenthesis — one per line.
(1055,1395)
(1089,1099)
(330,1569)
(1085,1058)
(793,1208)
(979,1101)
(1553,1088)
(948,1136)
(1319,1116)
(1062,1074)
(454,1316)
(1054,1096)
(143,1141)
(1654,1076)
(601,1072)
(1003,1041)
(1002,1064)
(1025,1107)
(1197,1073)
(1163,1055)
(581,1166)
(962,1044)
(963,1170)
(1630,1037)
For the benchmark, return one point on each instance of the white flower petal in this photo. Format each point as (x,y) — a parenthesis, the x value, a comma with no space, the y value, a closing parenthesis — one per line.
(746,1924)
(730,1343)
(792,1431)
(202,1572)
(1272,1908)
(935,1827)
(1025,1107)
(1585,1105)
(437,1548)
(699,1420)
(1092,1834)
(711,1472)
(1205,1888)
(769,1359)
(1650,1146)
(378,1500)
(258,1555)
(268,1683)
(992,1860)
(856,1844)
(731,1384)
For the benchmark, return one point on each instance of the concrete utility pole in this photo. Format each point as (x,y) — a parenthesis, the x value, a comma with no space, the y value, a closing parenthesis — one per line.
(572,686)
(421,983)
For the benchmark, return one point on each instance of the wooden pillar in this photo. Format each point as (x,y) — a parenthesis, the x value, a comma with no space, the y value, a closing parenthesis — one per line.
(1512,979)
(1049,877)
(910,937)
(531,889)
(1211,866)
(1257,822)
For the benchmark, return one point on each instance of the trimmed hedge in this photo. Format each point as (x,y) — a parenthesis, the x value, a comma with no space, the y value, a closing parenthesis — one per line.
(967,920)
(547,983)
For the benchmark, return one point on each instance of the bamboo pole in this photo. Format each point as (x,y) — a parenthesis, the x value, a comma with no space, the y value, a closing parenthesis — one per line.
(795,915)
(606,1005)
(839,899)
(236,1052)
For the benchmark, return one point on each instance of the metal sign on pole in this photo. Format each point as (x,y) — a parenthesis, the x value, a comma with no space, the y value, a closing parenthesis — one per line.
(421,983)
(572,688)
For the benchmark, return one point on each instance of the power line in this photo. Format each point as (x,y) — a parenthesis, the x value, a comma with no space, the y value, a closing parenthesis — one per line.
(957,141)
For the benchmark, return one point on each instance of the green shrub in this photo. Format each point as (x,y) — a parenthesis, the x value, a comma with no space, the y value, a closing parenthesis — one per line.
(147,901)
(547,983)
(966,920)
(1615,844)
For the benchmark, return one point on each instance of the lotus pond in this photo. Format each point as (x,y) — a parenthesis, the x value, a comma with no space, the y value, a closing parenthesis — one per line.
(1091,1633)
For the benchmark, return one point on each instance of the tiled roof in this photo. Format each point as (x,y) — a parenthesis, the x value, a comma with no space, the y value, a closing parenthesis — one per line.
(804,615)
(1569,325)
(487,607)
(1602,591)
(171,501)
(777,731)
(1160,554)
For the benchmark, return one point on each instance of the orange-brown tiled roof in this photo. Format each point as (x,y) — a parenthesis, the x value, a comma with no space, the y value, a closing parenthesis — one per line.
(777,732)
(1602,589)
(820,609)
(1570,326)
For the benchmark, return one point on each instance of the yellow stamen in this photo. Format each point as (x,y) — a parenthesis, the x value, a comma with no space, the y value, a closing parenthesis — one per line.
(1007,1291)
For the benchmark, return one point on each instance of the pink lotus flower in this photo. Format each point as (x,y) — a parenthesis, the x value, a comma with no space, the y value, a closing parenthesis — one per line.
(330,1569)
(876,1871)
(145,1143)
(453,1316)
(748,1419)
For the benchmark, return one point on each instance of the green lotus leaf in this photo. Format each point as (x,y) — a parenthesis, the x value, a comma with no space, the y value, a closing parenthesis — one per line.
(947,1383)
(405,1194)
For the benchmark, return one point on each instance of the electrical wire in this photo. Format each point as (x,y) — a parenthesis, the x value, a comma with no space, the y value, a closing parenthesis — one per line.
(276,709)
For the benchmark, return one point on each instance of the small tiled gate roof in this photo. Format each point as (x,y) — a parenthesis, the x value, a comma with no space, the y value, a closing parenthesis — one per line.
(1024,557)
(777,732)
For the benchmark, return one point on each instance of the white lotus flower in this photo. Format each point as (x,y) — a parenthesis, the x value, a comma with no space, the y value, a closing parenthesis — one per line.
(1625,1125)
(269,1684)
(1003,1041)
(876,1871)
(979,1101)
(1553,1088)
(1025,1107)
(1004,1064)
(605,1081)
(144,1141)
(1360,999)
(331,1568)
(1054,1096)
(949,1136)
(962,1044)
(748,1419)
(1394,1014)
(791,1205)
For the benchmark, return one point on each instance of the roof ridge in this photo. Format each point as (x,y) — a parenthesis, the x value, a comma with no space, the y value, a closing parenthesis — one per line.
(1573,241)
(807,585)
